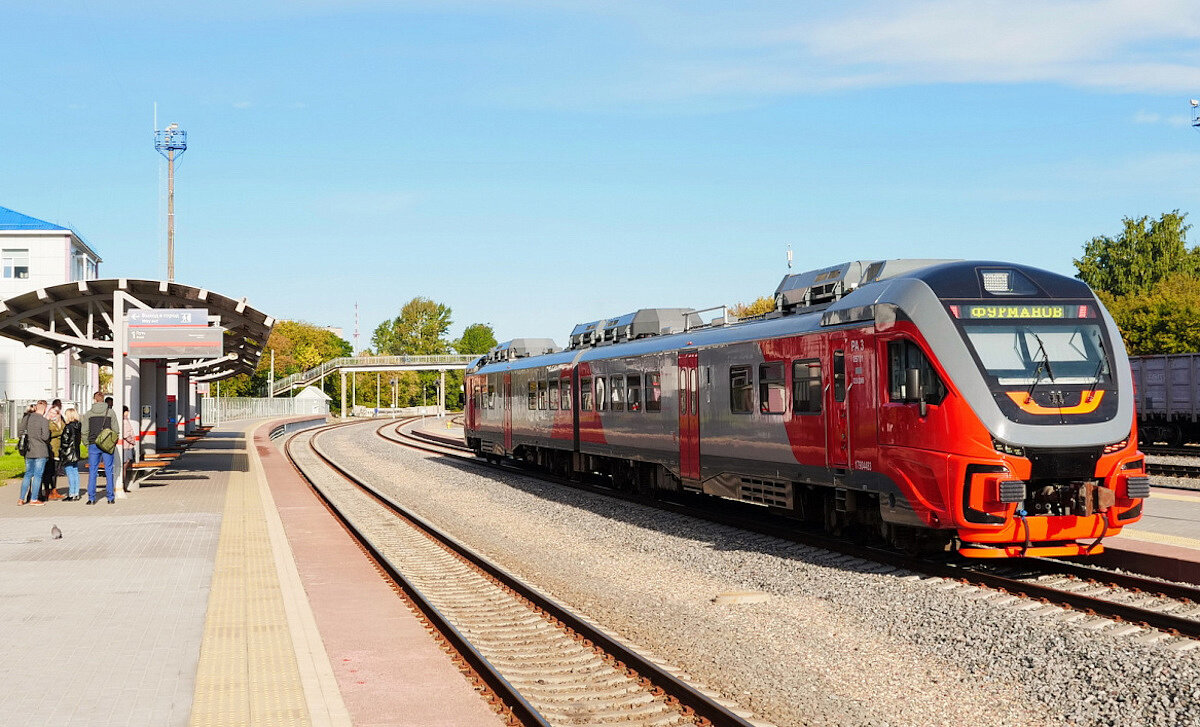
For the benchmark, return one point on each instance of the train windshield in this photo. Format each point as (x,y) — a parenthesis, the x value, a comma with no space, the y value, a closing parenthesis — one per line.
(1018,354)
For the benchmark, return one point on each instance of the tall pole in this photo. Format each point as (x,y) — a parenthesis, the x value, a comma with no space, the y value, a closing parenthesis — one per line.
(168,141)
(170,215)
(271,385)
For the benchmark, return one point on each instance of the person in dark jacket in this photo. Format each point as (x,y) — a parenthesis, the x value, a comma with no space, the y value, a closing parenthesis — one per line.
(95,420)
(37,431)
(50,473)
(68,456)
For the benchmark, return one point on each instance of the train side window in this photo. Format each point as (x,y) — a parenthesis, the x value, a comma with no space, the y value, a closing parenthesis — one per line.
(839,376)
(772,390)
(653,392)
(616,386)
(585,393)
(806,386)
(553,395)
(565,402)
(541,394)
(491,396)
(633,392)
(902,356)
(533,395)
(741,389)
(601,394)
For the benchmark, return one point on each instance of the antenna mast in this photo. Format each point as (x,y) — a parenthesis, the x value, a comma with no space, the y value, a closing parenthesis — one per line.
(168,141)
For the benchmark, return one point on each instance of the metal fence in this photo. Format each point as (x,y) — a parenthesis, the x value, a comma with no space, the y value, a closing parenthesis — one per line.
(215,410)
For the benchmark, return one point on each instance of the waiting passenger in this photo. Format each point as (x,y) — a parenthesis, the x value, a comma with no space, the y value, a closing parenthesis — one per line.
(36,430)
(72,435)
(96,420)
(50,473)
(128,445)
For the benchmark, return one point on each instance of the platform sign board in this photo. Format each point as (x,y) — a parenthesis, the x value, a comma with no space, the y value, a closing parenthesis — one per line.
(167,317)
(176,342)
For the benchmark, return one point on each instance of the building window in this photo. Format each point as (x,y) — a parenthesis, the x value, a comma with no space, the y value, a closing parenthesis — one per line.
(741,389)
(16,264)
(653,392)
(806,386)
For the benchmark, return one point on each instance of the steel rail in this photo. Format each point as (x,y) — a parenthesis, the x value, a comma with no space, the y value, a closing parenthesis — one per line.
(964,571)
(512,699)
(695,702)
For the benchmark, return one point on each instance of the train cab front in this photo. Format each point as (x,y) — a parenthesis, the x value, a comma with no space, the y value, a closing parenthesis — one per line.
(1062,470)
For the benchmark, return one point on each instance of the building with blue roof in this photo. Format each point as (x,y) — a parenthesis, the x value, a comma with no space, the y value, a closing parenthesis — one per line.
(36,254)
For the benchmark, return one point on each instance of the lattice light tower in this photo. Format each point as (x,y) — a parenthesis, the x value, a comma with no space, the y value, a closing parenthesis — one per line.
(167,142)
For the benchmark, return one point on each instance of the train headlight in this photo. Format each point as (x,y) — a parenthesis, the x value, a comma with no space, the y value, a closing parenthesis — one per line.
(1007,448)
(1116,446)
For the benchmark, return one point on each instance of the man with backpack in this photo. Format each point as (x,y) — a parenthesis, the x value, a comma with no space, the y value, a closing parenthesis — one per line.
(34,438)
(100,427)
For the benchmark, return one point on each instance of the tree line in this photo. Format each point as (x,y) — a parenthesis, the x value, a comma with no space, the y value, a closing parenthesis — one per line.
(420,329)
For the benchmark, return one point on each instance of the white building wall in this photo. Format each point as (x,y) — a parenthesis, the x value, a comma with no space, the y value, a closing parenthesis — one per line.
(55,257)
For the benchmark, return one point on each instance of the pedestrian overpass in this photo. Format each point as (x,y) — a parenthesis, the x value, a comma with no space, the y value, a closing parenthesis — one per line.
(369,364)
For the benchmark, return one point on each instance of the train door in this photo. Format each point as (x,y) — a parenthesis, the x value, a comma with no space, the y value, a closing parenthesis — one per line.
(838,419)
(689,416)
(574,384)
(472,399)
(508,409)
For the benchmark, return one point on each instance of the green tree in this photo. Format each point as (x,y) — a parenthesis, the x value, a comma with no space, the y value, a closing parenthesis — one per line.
(476,338)
(763,305)
(298,346)
(1146,252)
(1164,320)
(419,330)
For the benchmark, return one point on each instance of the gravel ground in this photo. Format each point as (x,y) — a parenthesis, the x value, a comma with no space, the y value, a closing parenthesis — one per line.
(1178,483)
(833,645)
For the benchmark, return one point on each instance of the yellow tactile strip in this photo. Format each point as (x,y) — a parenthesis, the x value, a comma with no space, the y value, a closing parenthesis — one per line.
(248,673)
(1160,538)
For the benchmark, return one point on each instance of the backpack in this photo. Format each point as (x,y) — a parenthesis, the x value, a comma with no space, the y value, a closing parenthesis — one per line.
(23,437)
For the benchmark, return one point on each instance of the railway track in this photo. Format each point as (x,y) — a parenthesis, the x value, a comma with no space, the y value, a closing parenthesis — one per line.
(1173,470)
(1100,597)
(544,663)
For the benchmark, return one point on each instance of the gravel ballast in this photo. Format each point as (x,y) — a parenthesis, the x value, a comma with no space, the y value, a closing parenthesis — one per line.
(833,644)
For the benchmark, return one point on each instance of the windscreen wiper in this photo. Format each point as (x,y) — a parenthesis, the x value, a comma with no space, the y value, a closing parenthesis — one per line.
(1043,367)
(1099,371)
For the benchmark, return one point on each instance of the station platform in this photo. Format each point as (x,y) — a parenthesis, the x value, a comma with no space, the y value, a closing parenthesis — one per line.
(219,593)
(1165,542)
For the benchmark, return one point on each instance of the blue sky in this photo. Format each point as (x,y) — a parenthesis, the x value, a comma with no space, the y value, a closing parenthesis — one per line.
(537,164)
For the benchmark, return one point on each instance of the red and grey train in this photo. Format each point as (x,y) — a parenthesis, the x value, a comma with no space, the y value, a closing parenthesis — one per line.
(980,406)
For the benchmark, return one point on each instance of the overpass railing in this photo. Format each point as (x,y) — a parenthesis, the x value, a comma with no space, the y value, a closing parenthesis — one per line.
(215,410)
(399,363)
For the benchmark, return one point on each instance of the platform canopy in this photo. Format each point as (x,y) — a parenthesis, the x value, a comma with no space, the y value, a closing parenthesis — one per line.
(79,315)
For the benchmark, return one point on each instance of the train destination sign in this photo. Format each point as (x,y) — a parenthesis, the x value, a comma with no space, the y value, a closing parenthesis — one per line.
(989,312)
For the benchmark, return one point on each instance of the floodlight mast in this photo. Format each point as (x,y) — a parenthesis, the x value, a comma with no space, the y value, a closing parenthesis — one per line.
(168,141)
